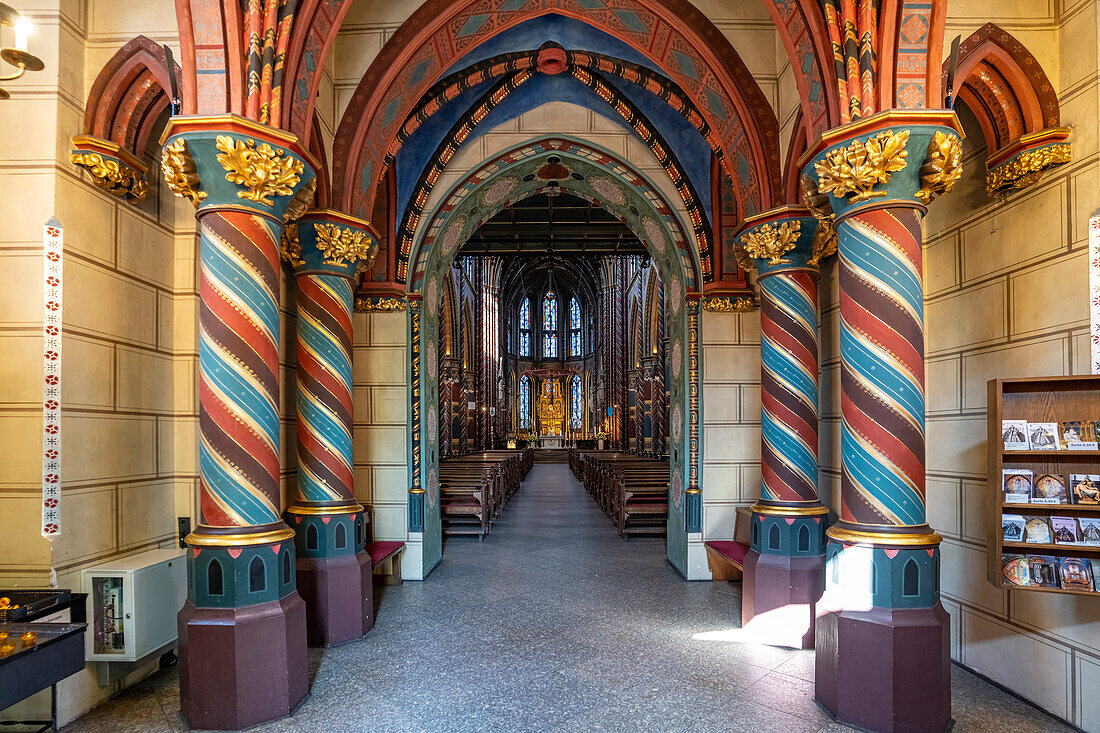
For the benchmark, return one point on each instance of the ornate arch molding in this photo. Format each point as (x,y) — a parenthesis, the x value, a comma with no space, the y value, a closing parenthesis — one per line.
(671,33)
(625,109)
(125,109)
(521,172)
(1016,106)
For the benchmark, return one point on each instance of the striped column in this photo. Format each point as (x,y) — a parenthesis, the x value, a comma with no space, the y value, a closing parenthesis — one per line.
(784,570)
(882,639)
(326,250)
(243,612)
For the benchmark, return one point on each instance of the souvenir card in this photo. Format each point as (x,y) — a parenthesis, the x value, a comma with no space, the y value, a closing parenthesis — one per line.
(1017,485)
(1049,488)
(1064,530)
(1014,434)
(1085,488)
(1012,525)
(1075,573)
(1077,435)
(1090,530)
(1044,570)
(1095,563)
(1037,530)
(1016,570)
(1043,435)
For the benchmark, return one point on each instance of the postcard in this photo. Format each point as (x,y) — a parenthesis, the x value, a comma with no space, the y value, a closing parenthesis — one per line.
(1085,488)
(1075,573)
(1065,530)
(1017,485)
(1049,488)
(1043,436)
(1037,530)
(1012,525)
(1014,434)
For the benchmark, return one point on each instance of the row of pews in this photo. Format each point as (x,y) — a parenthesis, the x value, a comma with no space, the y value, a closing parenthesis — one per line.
(474,488)
(631,490)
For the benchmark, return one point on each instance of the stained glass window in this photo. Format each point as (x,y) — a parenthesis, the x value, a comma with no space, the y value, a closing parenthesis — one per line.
(575,401)
(525,327)
(574,327)
(524,403)
(550,325)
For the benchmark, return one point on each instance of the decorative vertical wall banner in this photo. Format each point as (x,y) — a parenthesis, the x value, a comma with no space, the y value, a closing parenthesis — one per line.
(52,245)
(1094,288)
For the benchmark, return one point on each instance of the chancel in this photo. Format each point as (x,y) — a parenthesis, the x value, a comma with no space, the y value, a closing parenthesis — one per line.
(446,365)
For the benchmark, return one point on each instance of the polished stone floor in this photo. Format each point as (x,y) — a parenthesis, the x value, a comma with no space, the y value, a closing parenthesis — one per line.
(556,624)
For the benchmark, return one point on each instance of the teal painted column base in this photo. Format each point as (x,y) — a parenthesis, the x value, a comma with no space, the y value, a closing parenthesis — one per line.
(784,575)
(883,658)
(243,618)
(334,572)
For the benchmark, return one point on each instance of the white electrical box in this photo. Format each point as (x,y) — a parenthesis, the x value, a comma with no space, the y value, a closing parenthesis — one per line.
(132,605)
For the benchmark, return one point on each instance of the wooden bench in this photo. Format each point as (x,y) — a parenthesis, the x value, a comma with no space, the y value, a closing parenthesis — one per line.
(726,558)
(474,488)
(390,554)
(631,490)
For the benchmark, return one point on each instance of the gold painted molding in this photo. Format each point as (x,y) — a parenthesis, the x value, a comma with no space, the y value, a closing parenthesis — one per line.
(943,167)
(729,304)
(1026,169)
(113,176)
(262,169)
(342,245)
(855,537)
(379,305)
(771,241)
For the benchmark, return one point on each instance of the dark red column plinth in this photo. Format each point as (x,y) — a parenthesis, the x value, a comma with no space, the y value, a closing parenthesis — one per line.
(339,593)
(894,674)
(779,597)
(242,666)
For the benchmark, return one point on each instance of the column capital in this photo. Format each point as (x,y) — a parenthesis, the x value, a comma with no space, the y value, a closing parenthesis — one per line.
(113,168)
(896,156)
(784,239)
(229,162)
(327,242)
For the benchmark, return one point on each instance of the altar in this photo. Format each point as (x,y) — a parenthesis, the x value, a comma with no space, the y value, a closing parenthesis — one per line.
(551,441)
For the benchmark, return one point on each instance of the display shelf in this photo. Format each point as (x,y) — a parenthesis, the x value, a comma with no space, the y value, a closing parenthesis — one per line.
(1044,399)
(1048,548)
(1084,509)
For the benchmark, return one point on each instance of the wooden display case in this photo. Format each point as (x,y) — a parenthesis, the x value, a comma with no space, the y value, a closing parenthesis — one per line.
(1045,399)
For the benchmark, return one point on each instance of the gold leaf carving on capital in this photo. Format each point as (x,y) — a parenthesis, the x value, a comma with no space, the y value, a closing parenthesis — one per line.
(179,171)
(263,170)
(943,168)
(772,241)
(342,245)
(112,176)
(855,170)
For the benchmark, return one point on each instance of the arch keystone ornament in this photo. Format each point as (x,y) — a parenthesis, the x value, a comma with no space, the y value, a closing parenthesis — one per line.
(784,570)
(882,635)
(243,612)
(327,250)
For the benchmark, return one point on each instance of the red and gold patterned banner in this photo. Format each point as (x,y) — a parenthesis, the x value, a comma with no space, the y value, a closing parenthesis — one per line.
(52,244)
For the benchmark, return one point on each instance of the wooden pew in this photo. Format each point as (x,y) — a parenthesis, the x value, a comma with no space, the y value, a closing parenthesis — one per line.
(631,490)
(726,558)
(474,488)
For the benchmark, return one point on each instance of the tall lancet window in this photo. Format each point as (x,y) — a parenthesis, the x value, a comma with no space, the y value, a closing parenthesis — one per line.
(550,325)
(575,401)
(574,327)
(525,402)
(525,327)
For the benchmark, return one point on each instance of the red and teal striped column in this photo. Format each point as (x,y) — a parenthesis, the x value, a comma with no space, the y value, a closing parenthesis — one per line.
(784,569)
(327,249)
(883,660)
(242,629)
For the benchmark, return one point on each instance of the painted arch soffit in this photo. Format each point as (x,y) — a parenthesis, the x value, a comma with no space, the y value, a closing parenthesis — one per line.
(673,34)
(606,101)
(594,174)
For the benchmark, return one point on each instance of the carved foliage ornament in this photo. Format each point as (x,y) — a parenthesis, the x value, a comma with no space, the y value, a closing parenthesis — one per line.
(943,167)
(263,170)
(179,171)
(729,304)
(825,239)
(854,171)
(342,245)
(112,176)
(1026,168)
(291,249)
(772,241)
(379,305)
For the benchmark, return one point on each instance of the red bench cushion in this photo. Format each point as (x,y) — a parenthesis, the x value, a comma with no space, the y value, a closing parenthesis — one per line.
(734,551)
(379,551)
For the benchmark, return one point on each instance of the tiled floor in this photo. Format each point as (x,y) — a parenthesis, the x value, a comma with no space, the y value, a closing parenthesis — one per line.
(555,624)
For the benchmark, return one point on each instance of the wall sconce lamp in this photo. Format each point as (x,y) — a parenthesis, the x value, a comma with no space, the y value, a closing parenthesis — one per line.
(17,56)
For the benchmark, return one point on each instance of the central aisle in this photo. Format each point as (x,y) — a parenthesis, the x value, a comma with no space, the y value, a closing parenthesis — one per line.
(554,623)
